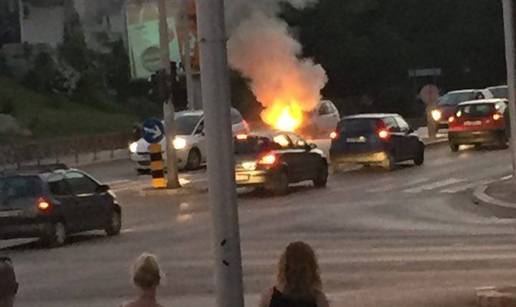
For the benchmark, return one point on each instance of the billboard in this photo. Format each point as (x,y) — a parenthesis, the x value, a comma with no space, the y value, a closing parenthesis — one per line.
(143,36)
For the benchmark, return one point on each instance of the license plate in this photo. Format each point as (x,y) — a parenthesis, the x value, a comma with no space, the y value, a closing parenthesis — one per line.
(11,213)
(356,140)
(239,177)
(470,123)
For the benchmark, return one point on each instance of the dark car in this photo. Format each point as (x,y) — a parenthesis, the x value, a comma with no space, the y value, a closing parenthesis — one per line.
(274,161)
(480,122)
(447,104)
(52,203)
(375,139)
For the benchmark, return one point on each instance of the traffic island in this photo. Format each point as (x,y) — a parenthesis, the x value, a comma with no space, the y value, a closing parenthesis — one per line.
(187,188)
(496,297)
(498,196)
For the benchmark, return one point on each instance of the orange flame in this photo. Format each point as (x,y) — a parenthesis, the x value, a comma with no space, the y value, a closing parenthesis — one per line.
(282,116)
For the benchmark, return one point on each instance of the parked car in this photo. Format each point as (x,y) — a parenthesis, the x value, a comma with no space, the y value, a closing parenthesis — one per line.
(375,139)
(322,121)
(500,91)
(273,161)
(51,203)
(190,141)
(447,104)
(480,122)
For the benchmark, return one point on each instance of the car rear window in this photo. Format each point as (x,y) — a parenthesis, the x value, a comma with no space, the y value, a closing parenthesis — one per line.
(19,187)
(358,125)
(254,145)
(476,109)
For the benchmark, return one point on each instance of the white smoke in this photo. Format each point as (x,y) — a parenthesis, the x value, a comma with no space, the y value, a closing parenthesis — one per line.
(263,50)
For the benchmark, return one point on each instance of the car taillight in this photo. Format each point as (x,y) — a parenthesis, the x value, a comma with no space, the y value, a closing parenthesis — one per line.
(497,116)
(241,137)
(268,159)
(334,135)
(43,204)
(451,119)
(383,134)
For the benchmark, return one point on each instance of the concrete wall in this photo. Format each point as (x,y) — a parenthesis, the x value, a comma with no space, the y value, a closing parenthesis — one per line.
(43,25)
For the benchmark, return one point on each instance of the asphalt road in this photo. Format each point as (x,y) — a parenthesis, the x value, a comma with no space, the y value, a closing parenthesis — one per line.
(412,237)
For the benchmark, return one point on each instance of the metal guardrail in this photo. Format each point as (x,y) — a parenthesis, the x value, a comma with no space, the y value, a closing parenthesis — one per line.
(33,152)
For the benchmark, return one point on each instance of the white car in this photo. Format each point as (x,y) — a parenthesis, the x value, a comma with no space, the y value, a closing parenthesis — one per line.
(322,121)
(190,141)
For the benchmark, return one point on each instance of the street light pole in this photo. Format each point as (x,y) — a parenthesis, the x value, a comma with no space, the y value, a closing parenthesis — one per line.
(221,166)
(187,55)
(168,105)
(509,25)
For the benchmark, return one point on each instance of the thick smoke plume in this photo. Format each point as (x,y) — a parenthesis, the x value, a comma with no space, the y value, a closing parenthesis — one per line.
(262,48)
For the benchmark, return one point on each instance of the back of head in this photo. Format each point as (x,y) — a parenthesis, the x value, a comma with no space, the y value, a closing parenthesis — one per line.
(8,284)
(298,271)
(146,272)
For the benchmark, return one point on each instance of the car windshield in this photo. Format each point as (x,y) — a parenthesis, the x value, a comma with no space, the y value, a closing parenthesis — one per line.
(500,92)
(476,109)
(185,124)
(358,125)
(254,145)
(19,187)
(452,99)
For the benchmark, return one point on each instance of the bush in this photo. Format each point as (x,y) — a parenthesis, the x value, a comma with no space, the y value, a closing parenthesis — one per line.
(7,106)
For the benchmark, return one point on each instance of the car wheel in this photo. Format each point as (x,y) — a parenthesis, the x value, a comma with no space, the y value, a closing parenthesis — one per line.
(279,184)
(454,147)
(56,235)
(322,176)
(420,156)
(389,163)
(194,159)
(115,224)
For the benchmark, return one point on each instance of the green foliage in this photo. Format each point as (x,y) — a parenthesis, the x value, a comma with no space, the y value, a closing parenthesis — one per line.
(44,76)
(74,49)
(7,105)
(34,110)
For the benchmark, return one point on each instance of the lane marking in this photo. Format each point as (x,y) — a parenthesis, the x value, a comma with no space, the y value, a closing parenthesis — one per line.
(465,187)
(434,185)
(507,177)
(393,186)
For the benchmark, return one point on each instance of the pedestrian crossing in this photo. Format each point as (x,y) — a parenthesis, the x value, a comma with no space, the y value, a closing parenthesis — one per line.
(450,185)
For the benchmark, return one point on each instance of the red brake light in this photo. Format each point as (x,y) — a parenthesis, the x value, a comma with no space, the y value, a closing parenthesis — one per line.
(497,116)
(383,134)
(334,135)
(268,159)
(43,204)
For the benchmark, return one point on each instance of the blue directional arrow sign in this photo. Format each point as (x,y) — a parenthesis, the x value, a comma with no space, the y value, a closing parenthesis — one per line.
(153,130)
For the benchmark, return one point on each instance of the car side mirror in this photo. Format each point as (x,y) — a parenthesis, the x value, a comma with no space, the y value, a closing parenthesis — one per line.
(103,188)
(310,146)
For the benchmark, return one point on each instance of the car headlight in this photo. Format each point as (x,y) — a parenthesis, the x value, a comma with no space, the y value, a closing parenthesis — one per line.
(133,147)
(436,115)
(179,143)
(249,166)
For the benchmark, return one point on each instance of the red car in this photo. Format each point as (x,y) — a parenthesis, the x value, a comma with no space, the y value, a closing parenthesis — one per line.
(479,122)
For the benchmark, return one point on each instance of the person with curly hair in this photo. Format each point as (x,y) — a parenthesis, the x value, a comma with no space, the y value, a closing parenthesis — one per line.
(298,282)
(146,277)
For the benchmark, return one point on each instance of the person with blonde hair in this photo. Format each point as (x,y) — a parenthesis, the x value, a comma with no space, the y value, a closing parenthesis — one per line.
(298,281)
(146,276)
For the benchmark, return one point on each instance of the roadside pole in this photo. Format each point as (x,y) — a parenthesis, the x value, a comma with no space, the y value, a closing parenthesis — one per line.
(187,64)
(221,167)
(168,106)
(509,25)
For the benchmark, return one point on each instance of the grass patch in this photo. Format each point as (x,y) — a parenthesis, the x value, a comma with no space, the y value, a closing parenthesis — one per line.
(55,116)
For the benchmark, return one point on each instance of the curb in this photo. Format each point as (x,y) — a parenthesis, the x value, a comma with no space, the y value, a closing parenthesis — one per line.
(497,206)
(496,296)
(185,190)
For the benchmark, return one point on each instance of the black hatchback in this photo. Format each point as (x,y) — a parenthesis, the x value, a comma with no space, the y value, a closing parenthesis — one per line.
(52,203)
(273,161)
(375,139)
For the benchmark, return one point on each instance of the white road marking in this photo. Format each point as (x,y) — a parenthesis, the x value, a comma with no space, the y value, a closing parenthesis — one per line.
(507,177)
(465,187)
(393,186)
(434,185)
